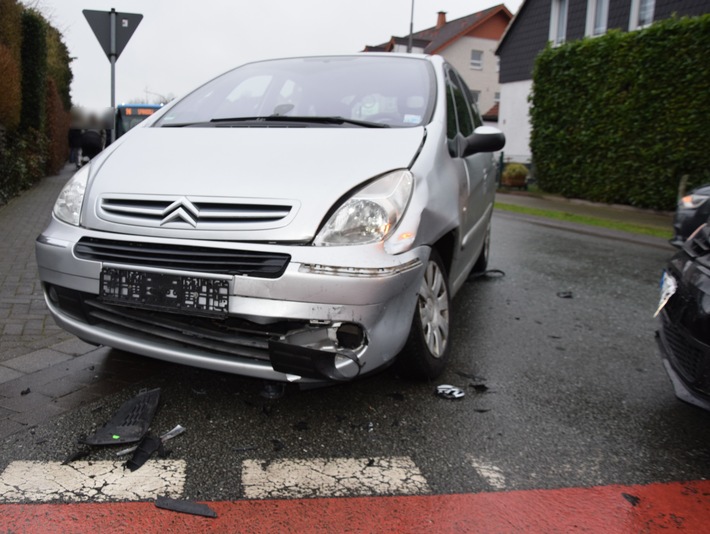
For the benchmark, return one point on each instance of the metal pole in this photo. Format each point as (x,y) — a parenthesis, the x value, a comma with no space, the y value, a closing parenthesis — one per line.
(112,58)
(411,30)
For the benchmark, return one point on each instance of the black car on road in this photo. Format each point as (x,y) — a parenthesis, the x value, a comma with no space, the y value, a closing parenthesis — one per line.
(684,310)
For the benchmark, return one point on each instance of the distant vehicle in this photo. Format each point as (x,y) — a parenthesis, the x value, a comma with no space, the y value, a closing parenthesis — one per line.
(130,115)
(692,211)
(684,311)
(299,220)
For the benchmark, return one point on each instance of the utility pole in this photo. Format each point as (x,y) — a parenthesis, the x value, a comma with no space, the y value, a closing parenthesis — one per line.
(411,30)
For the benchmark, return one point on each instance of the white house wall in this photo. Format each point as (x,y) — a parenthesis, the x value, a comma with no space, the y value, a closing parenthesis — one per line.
(484,80)
(514,120)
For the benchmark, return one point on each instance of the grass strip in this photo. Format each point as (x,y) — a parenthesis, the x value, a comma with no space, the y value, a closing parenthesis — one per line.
(585,219)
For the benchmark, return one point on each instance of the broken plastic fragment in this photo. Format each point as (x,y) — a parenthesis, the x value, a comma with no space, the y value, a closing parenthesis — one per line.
(179,429)
(185,507)
(447,391)
(130,422)
(148,445)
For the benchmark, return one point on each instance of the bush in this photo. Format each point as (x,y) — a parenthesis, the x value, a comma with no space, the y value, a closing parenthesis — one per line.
(56,130)
(10,102)
(622,117)
(514,174)
(34,70)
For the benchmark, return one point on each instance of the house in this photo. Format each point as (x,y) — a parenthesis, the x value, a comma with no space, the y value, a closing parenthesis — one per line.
(538,22)
(469,44)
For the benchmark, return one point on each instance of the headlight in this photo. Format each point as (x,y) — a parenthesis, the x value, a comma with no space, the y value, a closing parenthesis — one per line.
(67,208)
(371,214)
(693,201)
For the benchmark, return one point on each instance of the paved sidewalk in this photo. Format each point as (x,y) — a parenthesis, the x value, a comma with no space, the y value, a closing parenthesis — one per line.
(44,371)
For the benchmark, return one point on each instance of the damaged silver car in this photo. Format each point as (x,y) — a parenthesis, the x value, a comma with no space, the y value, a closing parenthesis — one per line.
(298,220)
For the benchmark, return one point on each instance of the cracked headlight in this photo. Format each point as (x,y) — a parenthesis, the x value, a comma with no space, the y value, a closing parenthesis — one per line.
(371,214)
(67,208)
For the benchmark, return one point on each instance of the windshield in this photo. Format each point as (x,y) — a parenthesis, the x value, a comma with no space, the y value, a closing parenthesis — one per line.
(393,91)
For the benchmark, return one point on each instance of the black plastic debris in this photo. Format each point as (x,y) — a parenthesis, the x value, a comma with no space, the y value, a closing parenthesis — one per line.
(25,392)
(179,429)
(447,391)
(278,445)
(633,499)
(148,445)
(185,507)
(565,294)
(489,274)
(131,421)
(480,388)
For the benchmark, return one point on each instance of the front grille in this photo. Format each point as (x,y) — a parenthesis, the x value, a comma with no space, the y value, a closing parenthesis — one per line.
(185,258)
(201,214)
(687,357)
(230,337)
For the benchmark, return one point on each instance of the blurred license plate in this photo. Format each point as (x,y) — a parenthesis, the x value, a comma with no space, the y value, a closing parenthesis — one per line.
(168,292)
(668,289)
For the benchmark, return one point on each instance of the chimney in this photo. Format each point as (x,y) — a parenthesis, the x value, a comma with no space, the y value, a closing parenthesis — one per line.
(441,20)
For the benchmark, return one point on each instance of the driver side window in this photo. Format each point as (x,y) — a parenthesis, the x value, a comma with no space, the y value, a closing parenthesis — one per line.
(458,107)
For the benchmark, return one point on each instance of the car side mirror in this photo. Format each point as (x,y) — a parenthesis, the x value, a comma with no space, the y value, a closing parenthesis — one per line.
(483,139)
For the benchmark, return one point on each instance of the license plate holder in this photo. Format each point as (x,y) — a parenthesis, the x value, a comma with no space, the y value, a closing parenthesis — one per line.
(185,294)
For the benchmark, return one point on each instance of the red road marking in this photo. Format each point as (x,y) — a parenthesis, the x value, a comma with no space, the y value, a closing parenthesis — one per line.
(674,506)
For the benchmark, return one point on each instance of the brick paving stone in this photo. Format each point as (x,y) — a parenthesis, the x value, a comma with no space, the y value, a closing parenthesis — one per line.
(22,219)
(7,374)
(36,361)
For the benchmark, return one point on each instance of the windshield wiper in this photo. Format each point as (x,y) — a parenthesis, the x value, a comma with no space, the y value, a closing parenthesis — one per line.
(302,119)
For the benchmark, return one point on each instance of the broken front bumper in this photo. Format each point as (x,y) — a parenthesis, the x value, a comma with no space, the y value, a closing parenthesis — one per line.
(333,313)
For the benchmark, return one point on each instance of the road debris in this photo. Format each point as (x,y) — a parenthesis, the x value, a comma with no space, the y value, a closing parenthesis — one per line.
(447,391)
(185,507)
(130,423)
(179,429)
(565,294)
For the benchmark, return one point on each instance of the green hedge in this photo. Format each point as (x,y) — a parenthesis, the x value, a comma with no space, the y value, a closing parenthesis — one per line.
(34,70)
(623,117)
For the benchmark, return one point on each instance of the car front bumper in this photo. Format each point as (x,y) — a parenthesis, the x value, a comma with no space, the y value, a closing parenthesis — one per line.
(334,313)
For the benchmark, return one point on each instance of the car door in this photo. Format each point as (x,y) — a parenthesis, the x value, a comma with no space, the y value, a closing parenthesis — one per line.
(479,188)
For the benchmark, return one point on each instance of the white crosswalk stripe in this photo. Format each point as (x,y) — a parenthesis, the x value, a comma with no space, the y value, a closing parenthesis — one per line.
(103,481)
(489,472)
(90,481)
(323,477)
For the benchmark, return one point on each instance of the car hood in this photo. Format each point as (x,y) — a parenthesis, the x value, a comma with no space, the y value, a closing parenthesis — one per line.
(240,184)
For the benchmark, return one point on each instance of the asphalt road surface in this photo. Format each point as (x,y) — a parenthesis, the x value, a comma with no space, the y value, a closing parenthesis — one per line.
(556,354)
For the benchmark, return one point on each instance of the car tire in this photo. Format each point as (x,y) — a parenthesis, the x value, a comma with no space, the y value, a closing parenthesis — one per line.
(482,262)
(427,349)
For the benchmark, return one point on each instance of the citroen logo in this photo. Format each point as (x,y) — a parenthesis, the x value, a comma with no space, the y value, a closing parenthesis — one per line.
(181,210)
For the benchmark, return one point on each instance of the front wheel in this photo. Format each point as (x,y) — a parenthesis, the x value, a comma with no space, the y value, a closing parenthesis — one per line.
(427,349)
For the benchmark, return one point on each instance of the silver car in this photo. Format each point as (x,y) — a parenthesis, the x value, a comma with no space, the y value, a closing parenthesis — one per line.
(299,220)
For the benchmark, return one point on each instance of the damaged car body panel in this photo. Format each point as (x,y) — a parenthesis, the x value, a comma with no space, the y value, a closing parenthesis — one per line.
(684,336)
(298,220)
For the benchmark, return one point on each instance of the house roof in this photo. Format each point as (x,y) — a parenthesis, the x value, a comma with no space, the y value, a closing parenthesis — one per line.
(492,114)
(438,37)
(510,26)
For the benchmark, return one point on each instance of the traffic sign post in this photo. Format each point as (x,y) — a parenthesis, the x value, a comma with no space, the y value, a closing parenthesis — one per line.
(113,30)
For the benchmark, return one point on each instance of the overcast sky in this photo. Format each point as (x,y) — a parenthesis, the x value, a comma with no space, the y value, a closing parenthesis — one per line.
(180,44)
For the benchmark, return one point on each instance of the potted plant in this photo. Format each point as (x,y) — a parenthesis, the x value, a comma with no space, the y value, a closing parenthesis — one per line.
(515,175)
